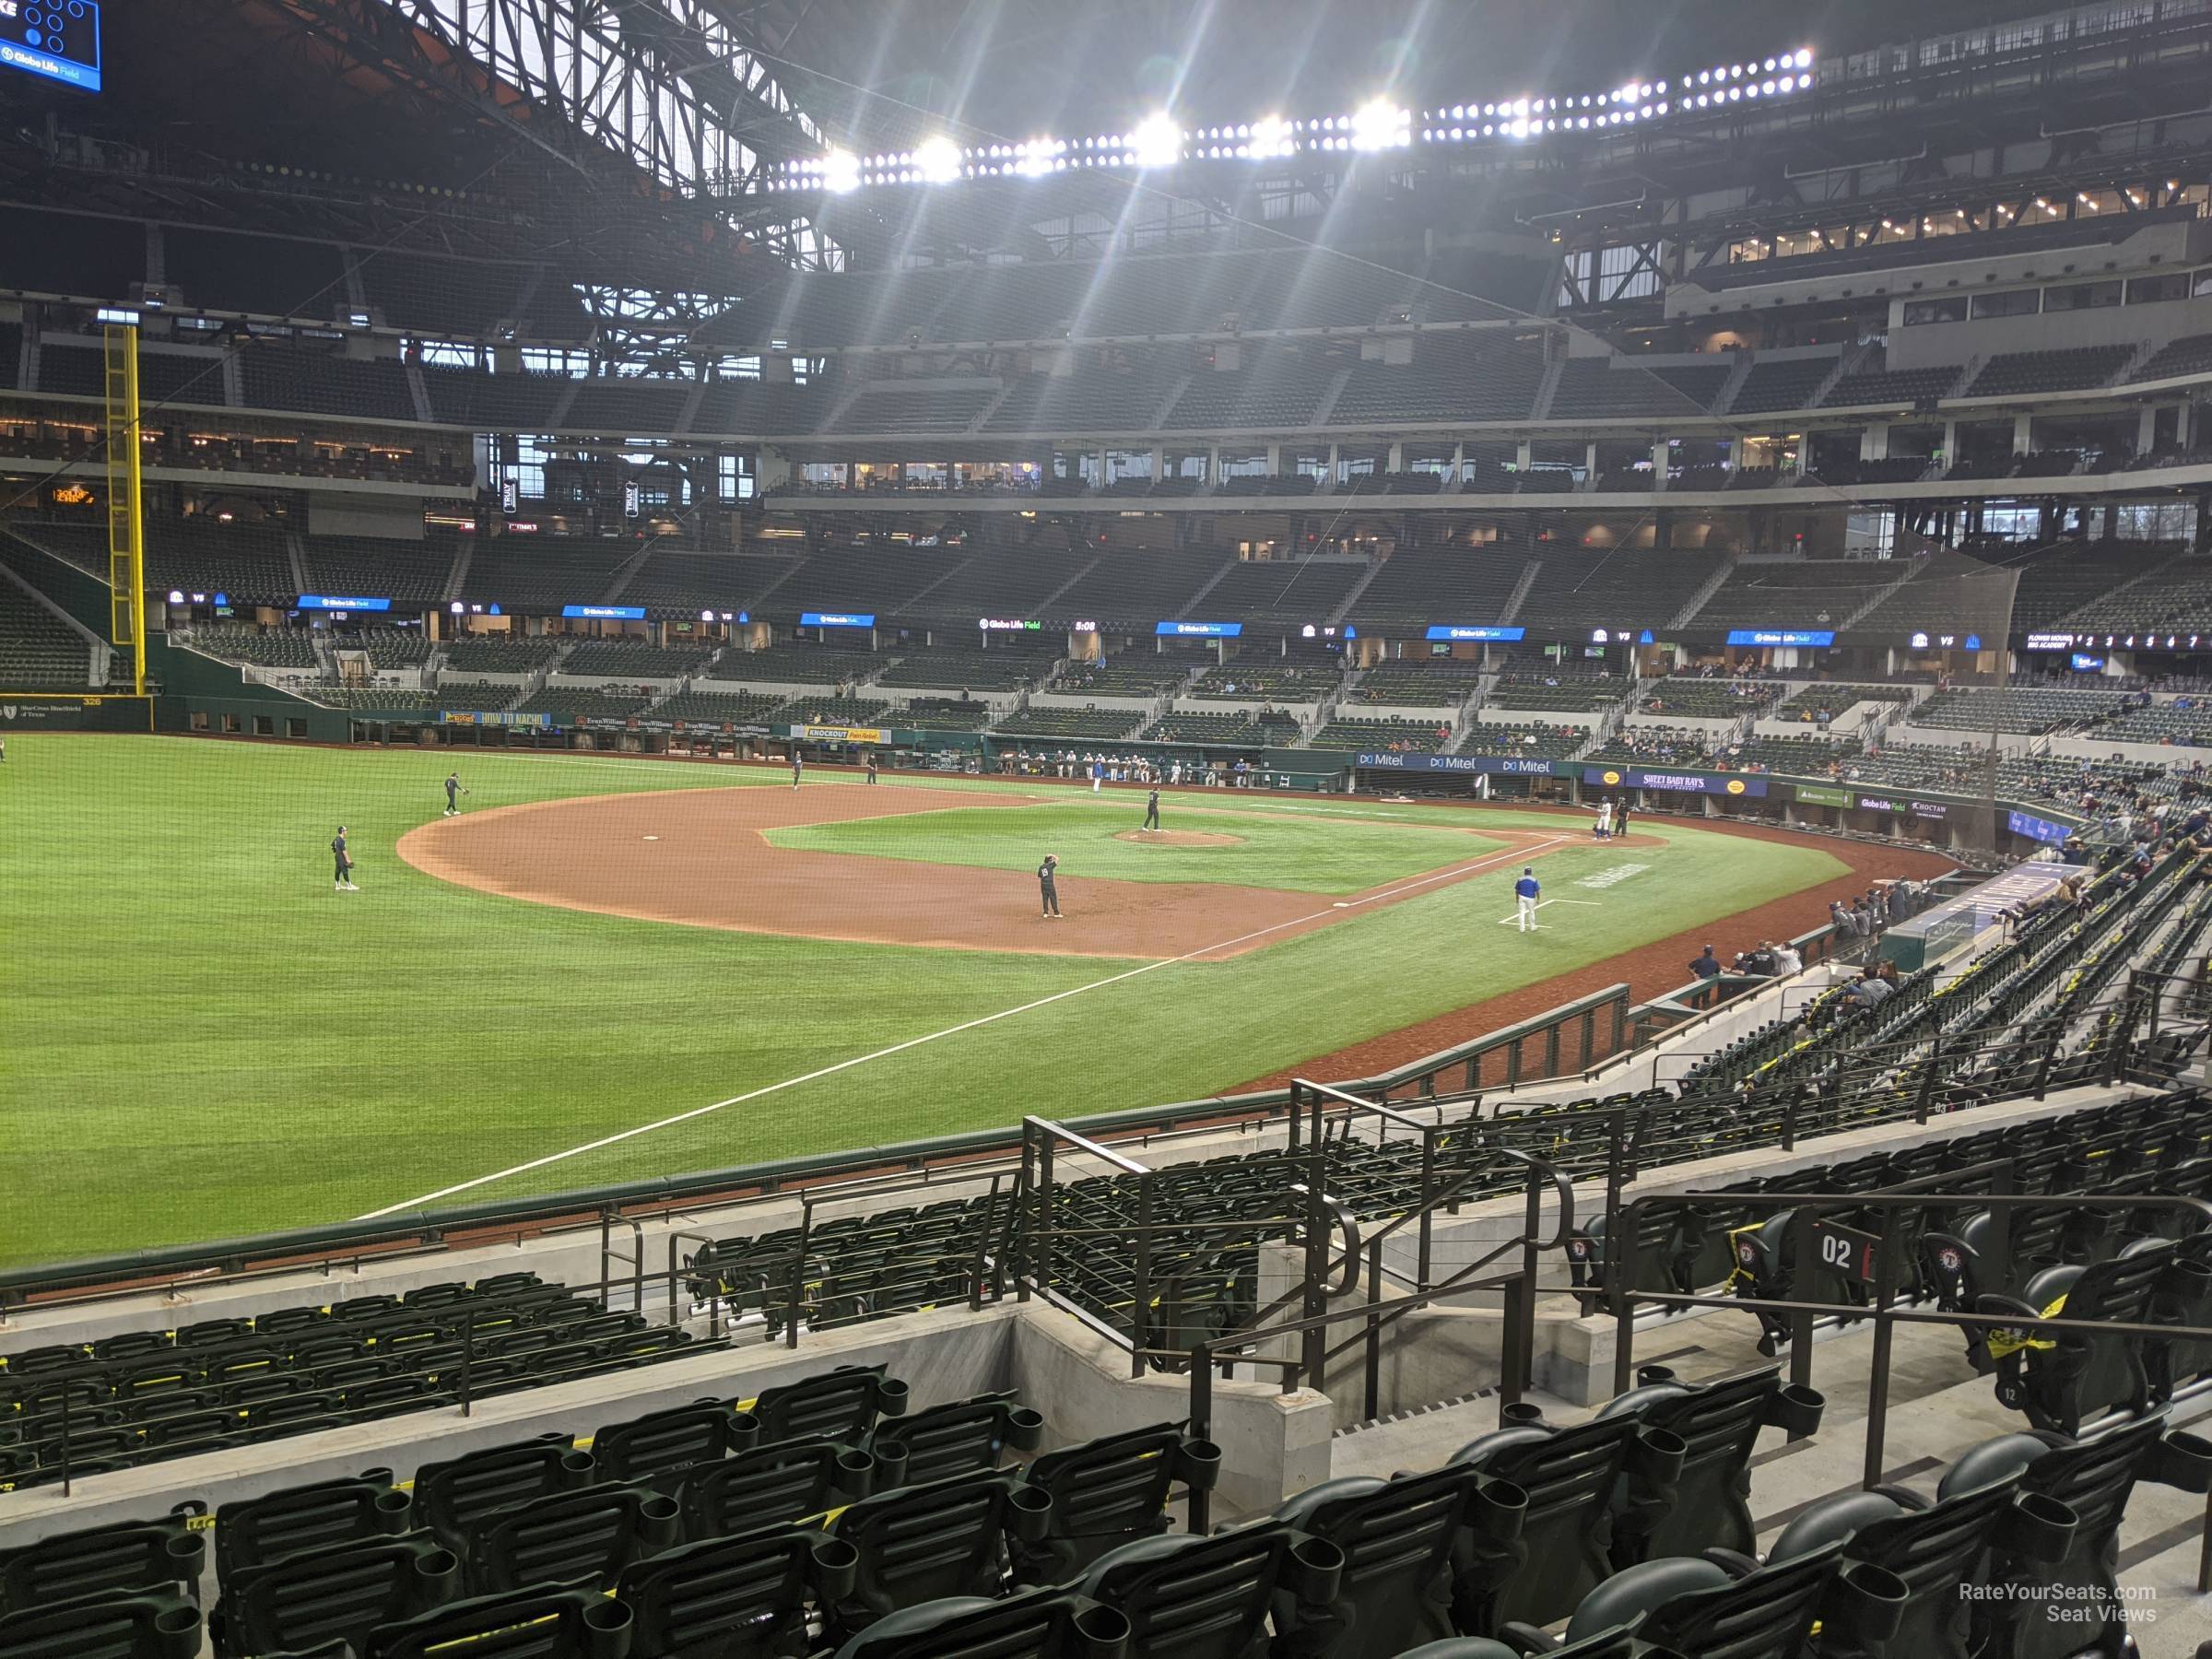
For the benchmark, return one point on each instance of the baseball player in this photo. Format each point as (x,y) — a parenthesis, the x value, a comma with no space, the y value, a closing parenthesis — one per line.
(1098,773)
(453,794)
(798,765)
(342,867)
(1152,810)
(1526,889)
(1046,889)
(871,766)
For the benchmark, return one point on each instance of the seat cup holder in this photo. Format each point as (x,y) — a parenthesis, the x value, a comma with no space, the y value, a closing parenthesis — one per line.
(1031,1515)
(2040,1527)
(1520,1414)
(890,1464)
(2185,1461)
(1199,1463)
(836,1568)
(890,1397)
(855,1473)
(1499,1509)
(1796,1408)
(1649,1375)
(1024,1428)
(1660,1454)
(1320,1570)
(1870,1599)
(1102,1633)
(606,1629)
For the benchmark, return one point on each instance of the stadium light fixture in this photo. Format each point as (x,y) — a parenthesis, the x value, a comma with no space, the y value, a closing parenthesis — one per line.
(936,160)
(1380,125)
(1156,141)
(840,173)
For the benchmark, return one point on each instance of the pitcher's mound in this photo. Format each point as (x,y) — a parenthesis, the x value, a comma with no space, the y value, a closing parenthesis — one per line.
(1179,838)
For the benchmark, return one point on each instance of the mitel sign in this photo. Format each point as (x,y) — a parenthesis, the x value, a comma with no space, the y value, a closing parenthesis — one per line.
(1495,765)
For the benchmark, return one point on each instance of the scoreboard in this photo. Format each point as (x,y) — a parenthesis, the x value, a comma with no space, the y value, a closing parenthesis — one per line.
(56,39)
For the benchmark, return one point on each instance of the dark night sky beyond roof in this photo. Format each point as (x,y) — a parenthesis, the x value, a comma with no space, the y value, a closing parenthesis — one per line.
(1013,68)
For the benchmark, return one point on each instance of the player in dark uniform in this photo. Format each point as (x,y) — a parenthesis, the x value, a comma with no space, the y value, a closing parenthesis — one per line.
(871,766)
(798,765)
(453,794)
(1152,810)
(342,865)
(1045,888)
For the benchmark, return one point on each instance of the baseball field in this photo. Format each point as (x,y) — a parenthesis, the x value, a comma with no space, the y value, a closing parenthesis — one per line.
(607,969)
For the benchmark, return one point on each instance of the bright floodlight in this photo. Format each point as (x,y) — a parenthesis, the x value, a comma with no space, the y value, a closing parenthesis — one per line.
(1156,141)
(1381,125)
(1271,136)
(840,171)
(937,160)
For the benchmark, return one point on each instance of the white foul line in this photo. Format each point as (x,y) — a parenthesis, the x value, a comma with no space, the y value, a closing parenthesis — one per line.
(896,1048)
(1509,921)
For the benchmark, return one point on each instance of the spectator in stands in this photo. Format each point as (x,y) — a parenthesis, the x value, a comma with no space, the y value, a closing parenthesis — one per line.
(1787,960)
(1870,988)
(1840,919)
(1704,967)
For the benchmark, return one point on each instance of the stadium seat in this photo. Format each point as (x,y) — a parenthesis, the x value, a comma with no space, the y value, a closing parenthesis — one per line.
(1038,1624)
(130,1556)
(1705,1501)
(455,1498)
(1699,1606)
(154,1624)
(1108,1493)
(921,1543)
(591,1534)
(307,1601)
(964,1437)
(1211,1598)
(1936,1550)
(2093,1480)
(788,1480)
(1564,1547)
(841,1404)
(733,1598)
(665,1443)
(544,1623)
(2069,1378)
(325,1516)
(1402,1542)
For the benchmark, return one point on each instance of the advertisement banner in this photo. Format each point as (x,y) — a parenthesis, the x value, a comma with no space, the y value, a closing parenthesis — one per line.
(1781,635)
(835,734)
(1821,795)
(494,717)
(1520,766)
(1710,783)
(2035,828)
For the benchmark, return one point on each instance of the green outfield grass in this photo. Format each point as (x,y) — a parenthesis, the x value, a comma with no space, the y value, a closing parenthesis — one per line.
(1307,854)
(199,1038)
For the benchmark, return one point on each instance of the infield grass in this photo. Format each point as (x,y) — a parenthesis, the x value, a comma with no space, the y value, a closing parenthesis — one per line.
(199,1039)
(1270,849)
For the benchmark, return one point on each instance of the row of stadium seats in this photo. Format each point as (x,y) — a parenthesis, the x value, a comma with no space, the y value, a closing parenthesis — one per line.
(817,1518)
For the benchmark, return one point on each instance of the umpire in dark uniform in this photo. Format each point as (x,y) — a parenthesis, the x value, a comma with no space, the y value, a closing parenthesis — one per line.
(1152,810)
(1046,890)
